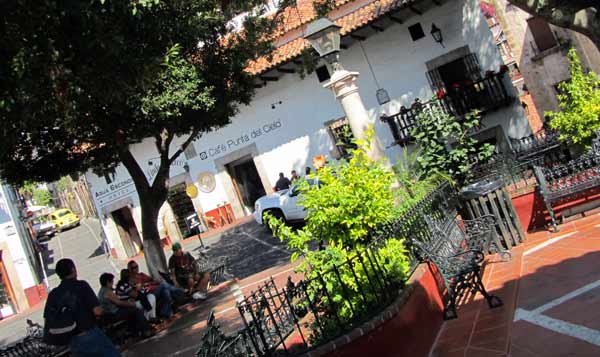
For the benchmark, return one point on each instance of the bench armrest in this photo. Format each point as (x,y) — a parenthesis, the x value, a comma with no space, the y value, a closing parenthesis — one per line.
(480,232)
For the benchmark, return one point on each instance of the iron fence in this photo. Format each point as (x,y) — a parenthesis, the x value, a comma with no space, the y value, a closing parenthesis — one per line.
(329,302)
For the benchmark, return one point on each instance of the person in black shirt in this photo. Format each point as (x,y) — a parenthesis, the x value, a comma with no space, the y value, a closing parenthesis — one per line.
(89,340)
(283,183)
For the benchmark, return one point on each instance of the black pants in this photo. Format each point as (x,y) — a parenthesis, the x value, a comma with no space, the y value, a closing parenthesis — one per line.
(136,321)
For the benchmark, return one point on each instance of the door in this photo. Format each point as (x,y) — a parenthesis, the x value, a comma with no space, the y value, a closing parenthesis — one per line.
(246,182)
(128,231)
(455,72)
(182,207)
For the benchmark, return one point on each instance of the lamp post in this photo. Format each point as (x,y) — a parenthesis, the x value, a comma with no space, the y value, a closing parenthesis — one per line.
(436,33)
(324,36)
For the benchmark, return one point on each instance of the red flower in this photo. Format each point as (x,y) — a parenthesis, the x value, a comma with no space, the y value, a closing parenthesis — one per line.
(456,86)
(441,93)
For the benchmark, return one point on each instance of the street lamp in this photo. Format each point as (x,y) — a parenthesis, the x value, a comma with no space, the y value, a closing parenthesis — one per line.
(324,36)
(436,33)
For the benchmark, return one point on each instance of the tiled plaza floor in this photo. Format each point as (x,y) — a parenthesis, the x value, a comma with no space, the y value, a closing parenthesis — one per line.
(551,294)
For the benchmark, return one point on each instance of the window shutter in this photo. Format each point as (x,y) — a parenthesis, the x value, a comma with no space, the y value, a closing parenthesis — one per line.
(542,34)
(435,80)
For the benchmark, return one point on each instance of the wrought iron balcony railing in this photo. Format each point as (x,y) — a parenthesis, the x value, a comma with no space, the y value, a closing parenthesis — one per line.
(484,95)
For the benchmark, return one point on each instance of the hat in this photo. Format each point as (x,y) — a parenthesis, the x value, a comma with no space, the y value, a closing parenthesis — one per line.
(176,246)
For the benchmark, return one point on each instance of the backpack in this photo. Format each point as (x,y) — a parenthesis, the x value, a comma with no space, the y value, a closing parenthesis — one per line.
(61,322)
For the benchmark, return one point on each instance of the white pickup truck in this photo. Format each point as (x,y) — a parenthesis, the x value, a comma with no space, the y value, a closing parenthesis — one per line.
(281,204)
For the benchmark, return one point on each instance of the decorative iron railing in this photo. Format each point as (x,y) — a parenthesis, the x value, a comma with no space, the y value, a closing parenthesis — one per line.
(535,145)
(329,302)
(484,95)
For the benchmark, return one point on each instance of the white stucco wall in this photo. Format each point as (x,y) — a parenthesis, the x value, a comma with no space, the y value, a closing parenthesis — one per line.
(289,136)
(13,234)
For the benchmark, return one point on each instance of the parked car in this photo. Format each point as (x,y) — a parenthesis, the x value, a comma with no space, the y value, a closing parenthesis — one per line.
(281,204)
(43,227)
(64,219)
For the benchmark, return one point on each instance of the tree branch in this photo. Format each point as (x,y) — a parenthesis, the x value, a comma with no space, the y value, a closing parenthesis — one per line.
(193,136)
(131,164)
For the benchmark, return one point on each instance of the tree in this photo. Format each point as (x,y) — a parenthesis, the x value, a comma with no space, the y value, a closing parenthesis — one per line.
(579,101)
(578,15)
(82,81)
(42,197)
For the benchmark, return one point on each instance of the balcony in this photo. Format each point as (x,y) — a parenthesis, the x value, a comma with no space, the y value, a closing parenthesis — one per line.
(484,95)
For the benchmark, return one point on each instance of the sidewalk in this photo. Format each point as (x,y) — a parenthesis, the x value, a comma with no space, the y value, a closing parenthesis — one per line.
(551,294)
(183,337)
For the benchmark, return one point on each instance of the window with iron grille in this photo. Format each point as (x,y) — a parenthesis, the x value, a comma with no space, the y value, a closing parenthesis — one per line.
(341,134)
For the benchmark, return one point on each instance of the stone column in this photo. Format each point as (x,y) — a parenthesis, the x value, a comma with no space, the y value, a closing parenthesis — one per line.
(343,84)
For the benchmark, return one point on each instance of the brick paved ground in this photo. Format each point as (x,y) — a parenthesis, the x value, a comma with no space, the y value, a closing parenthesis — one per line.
(551,294)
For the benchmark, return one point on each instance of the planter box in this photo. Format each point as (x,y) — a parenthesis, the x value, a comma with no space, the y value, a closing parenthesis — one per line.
(412,322)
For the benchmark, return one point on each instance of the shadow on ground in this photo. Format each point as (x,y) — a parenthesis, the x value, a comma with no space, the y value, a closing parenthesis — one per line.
(250,249)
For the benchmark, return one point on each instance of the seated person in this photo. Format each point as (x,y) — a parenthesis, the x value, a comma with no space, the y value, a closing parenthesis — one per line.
(164,292)
(186,275)
(128,290)
(117,309)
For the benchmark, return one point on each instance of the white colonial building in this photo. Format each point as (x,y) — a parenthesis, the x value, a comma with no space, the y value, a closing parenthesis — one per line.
(20,285)
(293,119)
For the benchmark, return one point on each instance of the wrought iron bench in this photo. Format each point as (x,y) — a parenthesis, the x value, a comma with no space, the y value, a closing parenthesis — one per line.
(216,267)
(33,345)
(569,181)
(216,344)
(458,254)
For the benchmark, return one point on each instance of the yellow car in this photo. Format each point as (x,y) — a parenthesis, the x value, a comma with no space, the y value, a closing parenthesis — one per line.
(64,218)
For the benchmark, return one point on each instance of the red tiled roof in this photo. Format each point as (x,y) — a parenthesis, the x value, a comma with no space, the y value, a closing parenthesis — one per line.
(350,22)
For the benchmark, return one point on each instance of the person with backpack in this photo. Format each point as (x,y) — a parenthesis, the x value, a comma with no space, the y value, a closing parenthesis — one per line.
(70,316)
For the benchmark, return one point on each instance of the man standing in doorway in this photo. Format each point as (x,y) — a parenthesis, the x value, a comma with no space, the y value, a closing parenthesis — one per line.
(70,313)
(283,183)
(294,176)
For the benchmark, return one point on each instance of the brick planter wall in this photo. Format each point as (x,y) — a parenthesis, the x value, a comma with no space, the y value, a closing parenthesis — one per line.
(406,328)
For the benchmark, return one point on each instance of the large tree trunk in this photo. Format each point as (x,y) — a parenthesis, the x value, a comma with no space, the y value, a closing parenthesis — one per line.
(153,249)
(151,199)
(582,16)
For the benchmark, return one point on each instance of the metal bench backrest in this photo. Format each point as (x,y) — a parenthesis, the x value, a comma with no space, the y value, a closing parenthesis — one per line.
(447,238)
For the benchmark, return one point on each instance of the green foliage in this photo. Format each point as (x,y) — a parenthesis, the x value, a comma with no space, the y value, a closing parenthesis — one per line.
(28,187)
(62,184)
(42,197)
(414,182)
(352,198)
(446,145)
(579,101)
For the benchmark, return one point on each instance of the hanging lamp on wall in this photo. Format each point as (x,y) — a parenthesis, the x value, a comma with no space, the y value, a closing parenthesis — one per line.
(381,94)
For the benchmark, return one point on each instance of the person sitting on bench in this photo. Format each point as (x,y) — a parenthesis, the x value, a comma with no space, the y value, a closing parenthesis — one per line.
(185,273)
(116,309)
(128,290)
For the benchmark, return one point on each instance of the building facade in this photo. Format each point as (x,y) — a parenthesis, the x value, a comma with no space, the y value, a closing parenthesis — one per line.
(292,119)
(20,285)
(540,51)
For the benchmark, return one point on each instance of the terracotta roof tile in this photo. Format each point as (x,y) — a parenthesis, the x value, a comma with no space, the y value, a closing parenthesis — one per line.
(350,22)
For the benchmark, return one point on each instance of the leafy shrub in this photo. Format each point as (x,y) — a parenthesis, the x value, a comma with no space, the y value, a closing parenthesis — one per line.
(42,197)
(352,199)
(579,101)
(445,142)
